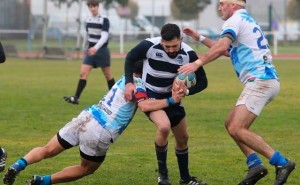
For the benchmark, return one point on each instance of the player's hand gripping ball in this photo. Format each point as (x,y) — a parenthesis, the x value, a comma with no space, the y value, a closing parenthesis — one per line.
(188,80)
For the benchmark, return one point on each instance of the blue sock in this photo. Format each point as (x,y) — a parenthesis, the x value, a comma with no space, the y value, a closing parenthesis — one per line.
(46,180)
(20,164)
(277,159)
(253,160)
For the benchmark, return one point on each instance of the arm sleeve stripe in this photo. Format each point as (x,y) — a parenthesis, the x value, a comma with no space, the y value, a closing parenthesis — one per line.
(228,36)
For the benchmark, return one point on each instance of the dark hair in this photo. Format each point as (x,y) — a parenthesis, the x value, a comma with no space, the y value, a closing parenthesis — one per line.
(138,67)
(93,2)
(170,31)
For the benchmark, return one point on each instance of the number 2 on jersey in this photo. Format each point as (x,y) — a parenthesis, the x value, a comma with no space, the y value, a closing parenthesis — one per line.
(260,39)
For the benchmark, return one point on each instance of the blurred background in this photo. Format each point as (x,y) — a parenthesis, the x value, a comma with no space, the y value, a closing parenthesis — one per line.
(55,28)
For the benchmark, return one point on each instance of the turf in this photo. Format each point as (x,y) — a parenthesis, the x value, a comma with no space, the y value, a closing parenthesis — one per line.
(32,110)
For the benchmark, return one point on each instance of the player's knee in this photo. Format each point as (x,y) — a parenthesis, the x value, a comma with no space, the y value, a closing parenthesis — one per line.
(185,137)
(181,144)
(86,170)
(182,140)
(49,151)
(164,130)
(232,130)
(83,75)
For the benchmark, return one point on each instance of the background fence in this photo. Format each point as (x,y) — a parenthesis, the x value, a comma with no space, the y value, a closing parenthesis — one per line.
(23,32)
(22,43)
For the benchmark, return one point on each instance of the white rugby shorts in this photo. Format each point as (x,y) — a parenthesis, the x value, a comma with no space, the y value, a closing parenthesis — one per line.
(85,131)
(258,93)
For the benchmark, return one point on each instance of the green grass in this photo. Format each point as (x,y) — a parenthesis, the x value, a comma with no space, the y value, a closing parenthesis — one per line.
(32,111)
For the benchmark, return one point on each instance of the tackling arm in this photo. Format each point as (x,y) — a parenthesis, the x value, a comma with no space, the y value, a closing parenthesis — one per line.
(147,105)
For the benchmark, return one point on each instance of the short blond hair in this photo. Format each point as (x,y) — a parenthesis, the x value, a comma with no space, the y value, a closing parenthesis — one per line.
(238,2)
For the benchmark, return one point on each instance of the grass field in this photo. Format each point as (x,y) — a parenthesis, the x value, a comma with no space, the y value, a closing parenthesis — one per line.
(32,110)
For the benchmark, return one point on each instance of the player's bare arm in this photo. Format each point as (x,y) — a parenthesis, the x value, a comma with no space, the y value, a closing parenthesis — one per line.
(156,104)
(129,91)
(199,38)
(215,52)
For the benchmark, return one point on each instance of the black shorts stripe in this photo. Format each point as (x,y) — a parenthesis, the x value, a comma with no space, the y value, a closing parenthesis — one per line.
(97,159)
(65,144)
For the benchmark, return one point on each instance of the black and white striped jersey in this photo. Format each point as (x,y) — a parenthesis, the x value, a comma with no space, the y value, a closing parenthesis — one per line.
(159,70)
(94,26)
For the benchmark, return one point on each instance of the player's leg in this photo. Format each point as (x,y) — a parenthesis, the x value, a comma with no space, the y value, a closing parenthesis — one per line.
(182,153)
(85,70)
(93,141)
(251,102)
(108,76)
(238,122)
(237,125)
(35,155)
(163,127)
(104,61)
(75,172)
(68,174)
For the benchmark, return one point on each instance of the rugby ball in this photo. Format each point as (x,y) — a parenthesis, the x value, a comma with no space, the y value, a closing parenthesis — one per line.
(188,80)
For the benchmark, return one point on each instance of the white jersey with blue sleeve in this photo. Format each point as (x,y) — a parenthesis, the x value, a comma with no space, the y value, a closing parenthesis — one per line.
(249,51)
(113,112)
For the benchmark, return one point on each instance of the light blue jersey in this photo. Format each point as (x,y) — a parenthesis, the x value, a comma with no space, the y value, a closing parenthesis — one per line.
(249,51)
(113,112)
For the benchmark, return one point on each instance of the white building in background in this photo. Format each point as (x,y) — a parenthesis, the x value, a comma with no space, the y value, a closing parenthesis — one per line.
(160,10)
(209,17)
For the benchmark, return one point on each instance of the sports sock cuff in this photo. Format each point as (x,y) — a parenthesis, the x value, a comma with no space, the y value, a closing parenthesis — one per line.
(24,160)
(253,160)
(46,180)
(277,159)
(161,148)
(22,163)
(182,151)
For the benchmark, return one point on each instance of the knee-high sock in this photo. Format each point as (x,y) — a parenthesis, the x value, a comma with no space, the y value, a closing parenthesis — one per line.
(161,155)
(183,163)
(81,85)
(110,83)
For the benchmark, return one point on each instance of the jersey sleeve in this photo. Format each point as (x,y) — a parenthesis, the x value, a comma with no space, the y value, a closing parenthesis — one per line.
(193,56)
(201,82)
(231,27)
(139,52)
(105,24)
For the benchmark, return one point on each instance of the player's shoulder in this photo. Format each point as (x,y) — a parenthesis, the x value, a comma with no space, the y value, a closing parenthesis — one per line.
(154,40)
(237,17)
(186,47)
(105,17)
